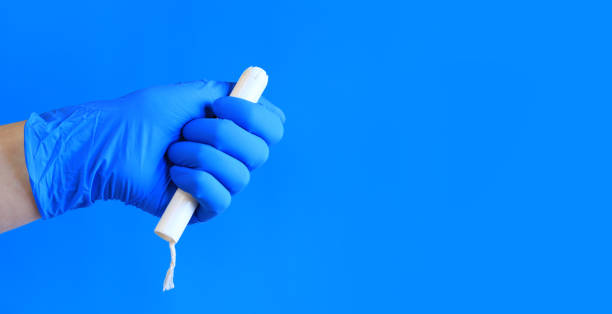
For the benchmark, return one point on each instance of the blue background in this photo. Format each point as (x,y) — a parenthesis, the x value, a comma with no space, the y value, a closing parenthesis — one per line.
(439,157)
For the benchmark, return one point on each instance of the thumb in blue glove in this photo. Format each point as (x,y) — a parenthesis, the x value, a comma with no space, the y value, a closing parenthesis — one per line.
(117,149)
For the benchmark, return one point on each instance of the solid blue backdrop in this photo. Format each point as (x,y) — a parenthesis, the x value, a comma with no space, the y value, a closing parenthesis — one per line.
(438,157)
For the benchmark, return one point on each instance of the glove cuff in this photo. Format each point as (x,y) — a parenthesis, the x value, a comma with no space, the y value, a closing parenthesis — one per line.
(58,178)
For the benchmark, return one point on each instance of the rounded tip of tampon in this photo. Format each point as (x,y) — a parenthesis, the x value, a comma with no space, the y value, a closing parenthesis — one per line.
(256,73)
(255,76)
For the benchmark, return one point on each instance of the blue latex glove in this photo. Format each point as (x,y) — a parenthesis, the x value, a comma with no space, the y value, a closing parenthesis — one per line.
(117,149)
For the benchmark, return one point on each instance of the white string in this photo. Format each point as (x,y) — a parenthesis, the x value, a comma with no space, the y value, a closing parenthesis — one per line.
(169,281)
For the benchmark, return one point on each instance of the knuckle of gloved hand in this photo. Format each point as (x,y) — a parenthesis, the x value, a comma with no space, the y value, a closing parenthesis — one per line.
(217,202)
(266,125)
(242,111)
(259,155)
(277,134)
(249,117)
(201,184)
(221,131)
(202,154)
(241,180)
(218,205)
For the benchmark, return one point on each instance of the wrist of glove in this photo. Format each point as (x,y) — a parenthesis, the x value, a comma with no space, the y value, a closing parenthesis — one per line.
(140,147)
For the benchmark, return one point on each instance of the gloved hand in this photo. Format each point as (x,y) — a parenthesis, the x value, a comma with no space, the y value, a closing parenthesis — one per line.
(117,149)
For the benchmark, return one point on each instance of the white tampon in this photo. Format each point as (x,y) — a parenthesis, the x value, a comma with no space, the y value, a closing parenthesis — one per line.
(249,87)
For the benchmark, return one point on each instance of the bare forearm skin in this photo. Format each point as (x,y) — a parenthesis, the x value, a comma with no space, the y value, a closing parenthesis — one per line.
(17,205)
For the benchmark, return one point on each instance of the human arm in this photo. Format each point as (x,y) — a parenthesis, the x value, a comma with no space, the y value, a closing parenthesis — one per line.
(17,206)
